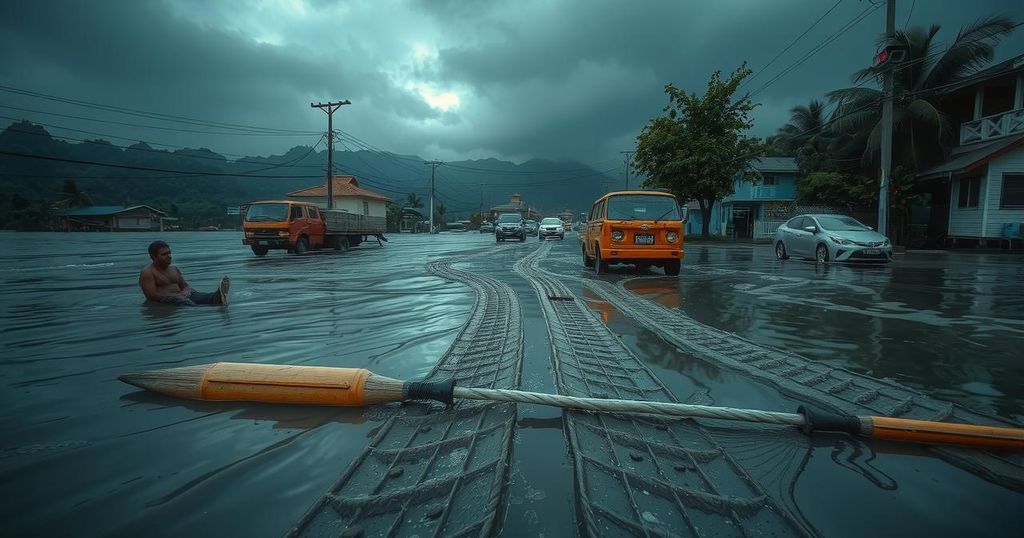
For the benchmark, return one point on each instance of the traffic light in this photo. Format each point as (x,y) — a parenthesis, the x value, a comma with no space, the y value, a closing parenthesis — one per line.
(893,53)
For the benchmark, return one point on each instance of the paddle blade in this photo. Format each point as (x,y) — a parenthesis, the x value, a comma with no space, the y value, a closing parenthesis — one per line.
(272,383)
(923,431)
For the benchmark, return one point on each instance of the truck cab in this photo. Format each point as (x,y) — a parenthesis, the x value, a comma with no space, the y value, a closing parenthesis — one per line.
(284,225)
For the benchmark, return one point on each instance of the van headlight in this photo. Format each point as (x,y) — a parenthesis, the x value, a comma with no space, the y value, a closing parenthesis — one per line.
(282,233)
(250,234)
(672,237)
(618,235)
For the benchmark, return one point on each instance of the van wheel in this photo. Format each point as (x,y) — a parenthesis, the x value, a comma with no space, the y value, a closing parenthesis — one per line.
(587,262)
(672,268)
(643,267)
(599,265)
(259,251)
(302,246)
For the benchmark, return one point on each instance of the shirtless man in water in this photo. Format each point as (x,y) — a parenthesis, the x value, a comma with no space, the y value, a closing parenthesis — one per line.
(163,283)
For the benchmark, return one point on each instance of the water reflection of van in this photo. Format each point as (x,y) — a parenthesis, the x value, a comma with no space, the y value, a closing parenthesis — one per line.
(644,228)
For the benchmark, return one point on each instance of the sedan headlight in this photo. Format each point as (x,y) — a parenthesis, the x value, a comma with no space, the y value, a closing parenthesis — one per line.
(886,242)
(672,237)
(618,235)
(841,241)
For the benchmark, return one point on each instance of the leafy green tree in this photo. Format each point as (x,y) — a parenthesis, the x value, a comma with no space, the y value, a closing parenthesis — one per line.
(697,149)
(834,189)
(439,214)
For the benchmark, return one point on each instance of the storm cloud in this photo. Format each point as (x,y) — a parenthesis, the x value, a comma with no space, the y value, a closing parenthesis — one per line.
(561,80)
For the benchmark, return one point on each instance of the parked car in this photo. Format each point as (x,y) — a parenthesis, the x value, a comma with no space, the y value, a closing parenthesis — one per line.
(510,225)
(830,238)
(486,227)
(551,227)
(644,228)
(531,227)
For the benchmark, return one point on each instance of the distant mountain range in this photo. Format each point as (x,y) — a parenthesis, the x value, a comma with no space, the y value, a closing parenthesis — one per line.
(200,183)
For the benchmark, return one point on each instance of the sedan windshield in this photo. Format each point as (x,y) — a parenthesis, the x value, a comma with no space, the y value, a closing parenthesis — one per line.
(550,222)
(841,224)
(510,218)
(267,213)
(643,207)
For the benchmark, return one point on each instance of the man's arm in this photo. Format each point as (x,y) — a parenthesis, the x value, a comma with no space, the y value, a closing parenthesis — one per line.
(186,290)
(149,288)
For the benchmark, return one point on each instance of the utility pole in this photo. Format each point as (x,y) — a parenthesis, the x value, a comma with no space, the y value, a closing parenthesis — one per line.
(433,166)
(883,187)
(628,161)
(329,108)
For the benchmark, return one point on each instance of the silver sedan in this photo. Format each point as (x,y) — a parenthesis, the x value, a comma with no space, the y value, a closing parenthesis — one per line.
(830,238)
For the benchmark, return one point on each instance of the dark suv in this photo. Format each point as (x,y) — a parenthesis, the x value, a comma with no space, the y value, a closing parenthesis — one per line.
(510,225)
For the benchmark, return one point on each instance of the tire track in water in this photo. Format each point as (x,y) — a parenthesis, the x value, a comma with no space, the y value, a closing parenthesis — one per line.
(834,389)
(642,475)
(434,470)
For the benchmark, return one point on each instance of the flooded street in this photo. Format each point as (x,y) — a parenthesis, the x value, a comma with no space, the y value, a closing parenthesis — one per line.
(83,451)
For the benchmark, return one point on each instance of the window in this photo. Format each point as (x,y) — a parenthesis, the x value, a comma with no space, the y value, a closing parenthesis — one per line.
(366,207)
(313,212)
(643,207)
(1012,196)
(970,189)
(770,180)
(795,223)
(296,212)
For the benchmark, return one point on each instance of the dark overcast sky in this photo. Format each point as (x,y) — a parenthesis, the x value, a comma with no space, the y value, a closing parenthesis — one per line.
(441,79)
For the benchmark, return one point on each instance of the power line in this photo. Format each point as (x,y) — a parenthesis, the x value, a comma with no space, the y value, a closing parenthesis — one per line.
(783,51)
(130,167)
(814,50)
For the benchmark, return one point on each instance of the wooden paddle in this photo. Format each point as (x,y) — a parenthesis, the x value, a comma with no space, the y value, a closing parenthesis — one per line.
(319,385)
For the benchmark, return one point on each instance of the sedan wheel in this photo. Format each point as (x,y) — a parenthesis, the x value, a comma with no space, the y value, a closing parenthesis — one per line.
(780,251)
(821,254)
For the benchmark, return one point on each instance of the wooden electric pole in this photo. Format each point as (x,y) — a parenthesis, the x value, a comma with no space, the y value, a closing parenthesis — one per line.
(887,90)
(329,108)
(433,166)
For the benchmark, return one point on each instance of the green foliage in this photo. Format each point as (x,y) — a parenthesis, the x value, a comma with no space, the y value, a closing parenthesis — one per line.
(835,190)
(697,149)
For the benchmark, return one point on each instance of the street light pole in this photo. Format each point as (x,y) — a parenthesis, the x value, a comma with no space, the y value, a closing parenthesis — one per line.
(887,91)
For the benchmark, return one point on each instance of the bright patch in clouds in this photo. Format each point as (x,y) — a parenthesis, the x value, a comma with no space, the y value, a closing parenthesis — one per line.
(440,100)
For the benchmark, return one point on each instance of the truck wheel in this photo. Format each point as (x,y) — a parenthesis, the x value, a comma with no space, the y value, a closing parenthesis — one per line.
(354,240)
(259,251)
(302,246)
(344,244)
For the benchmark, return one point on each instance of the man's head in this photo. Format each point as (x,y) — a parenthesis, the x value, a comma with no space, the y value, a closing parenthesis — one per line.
(160,253)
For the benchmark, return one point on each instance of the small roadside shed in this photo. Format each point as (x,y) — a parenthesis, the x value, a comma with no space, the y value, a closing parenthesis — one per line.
(138,218)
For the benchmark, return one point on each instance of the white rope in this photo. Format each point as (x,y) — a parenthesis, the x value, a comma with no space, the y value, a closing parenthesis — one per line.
(629,406)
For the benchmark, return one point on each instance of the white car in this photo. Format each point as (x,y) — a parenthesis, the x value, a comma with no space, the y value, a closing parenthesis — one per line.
(830,238)
(550,227)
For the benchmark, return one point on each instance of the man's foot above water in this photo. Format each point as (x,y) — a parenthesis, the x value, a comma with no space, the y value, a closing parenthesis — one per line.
(225,285)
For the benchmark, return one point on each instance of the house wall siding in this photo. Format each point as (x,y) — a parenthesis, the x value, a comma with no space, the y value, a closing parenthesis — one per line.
(964,222)
(349,203)
(1011,163)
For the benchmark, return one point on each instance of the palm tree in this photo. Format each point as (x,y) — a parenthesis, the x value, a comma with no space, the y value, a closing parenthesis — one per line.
(70,196)
(921,129)
(806,124)
(413,201)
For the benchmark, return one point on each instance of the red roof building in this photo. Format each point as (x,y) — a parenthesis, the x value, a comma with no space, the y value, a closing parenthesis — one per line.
(348,196)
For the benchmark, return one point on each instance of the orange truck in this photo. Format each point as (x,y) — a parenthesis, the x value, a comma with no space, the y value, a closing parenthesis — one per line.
(299,227)
(644,228)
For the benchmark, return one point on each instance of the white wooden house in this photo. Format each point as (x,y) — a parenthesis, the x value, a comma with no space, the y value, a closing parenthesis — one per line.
(348,196)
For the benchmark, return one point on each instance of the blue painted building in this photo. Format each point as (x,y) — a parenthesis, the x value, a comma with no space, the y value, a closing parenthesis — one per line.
(753,211)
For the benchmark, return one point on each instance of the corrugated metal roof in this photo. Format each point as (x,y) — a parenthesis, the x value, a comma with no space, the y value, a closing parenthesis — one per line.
(775,164)
(965,158)
(103,210)
(341,186)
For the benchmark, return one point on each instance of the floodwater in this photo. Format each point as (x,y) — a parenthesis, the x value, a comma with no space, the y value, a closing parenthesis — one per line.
(86,454)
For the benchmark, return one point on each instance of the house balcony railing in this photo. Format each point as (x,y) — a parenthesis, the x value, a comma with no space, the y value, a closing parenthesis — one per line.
(764,192)
(994,126)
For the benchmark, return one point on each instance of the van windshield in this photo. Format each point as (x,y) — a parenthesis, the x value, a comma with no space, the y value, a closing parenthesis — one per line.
(267,213)
(643,207)
(510,217)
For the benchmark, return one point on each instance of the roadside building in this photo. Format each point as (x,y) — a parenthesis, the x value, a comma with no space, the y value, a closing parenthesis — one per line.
(515,205)
(977,193)
(412,221)
(753,211)
(348,196)
(117,218)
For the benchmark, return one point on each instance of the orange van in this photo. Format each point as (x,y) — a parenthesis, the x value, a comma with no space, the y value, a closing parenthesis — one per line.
(644,228)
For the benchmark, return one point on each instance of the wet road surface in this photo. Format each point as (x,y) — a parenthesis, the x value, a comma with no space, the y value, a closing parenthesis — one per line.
(83,451)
